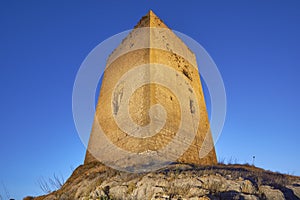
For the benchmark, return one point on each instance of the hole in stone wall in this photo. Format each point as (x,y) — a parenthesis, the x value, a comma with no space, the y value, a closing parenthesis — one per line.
(187,74)
(192,106)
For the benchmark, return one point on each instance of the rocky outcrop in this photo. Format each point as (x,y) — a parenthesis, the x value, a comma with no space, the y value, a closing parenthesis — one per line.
(178,181)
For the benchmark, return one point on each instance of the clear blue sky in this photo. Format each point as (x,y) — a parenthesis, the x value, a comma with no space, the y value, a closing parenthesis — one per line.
(255,44)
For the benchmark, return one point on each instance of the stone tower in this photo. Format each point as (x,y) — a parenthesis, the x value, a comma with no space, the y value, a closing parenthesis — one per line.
(150,91)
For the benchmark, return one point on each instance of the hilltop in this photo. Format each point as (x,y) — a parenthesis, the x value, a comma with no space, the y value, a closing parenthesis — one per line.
(177,181)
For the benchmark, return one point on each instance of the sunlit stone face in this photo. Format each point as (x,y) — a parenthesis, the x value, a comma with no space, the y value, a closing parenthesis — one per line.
(151,110)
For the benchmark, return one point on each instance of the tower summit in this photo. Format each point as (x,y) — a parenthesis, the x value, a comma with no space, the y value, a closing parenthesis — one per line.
(151,108)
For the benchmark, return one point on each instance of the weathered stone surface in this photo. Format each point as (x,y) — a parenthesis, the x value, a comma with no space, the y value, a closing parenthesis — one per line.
(177,181)
(119,192)
(197,192)
(50,197)
(296,189)
(247,187)
(160,196)
(248,197)
(166,49)
(271,193)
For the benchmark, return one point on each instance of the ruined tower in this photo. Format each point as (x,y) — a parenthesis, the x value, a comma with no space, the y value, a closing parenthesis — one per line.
(151,91)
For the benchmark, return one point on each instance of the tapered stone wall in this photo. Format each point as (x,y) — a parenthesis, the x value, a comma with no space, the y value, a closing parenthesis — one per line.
(160,70)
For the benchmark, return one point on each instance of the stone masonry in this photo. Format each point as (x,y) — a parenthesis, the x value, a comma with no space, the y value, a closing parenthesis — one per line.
(151,41)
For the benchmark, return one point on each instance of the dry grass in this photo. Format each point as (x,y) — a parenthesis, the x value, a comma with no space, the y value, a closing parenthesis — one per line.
(257,176)
(96,173)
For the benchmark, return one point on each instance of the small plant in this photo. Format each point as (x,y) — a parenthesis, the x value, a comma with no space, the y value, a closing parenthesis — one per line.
(106,190)
(131,187)
(232,161)
(215,186)
(221,160)
(52,184)
(7,194)
(44,185)
(104,198)
(178,190)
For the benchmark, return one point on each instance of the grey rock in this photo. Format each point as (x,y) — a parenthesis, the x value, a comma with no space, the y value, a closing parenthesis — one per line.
(249,197)
(296,189)
(271,193)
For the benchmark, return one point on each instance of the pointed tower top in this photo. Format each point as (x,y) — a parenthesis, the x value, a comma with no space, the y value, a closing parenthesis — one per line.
(151,13)
(151,20)
(159,37)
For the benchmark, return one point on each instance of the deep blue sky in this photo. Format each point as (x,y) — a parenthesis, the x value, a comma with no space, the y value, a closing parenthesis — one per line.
(255,44)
